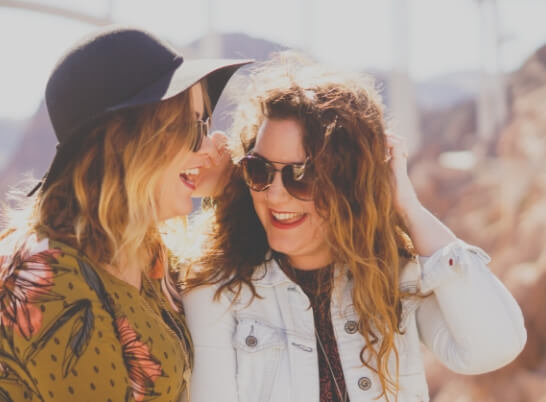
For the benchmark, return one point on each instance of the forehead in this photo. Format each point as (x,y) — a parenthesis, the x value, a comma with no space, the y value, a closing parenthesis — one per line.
(281,140)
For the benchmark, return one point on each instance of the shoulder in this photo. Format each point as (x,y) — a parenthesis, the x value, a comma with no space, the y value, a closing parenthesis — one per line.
(46,279)
(234,290)
(38,266)
(204,296)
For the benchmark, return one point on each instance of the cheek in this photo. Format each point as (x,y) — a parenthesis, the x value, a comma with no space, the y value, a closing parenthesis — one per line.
(317,225)
(162,187)
(165,190)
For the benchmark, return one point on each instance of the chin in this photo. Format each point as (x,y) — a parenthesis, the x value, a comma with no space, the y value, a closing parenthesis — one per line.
(284,246)
(181,210)
(186,210)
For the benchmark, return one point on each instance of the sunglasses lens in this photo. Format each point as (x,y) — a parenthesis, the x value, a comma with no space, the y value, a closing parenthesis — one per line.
(256,173)
(297,182)
(202,131)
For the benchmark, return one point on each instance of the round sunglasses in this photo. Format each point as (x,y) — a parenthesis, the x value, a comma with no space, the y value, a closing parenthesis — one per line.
(259,173)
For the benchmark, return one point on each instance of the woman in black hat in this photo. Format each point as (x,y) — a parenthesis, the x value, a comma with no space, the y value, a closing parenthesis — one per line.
(88,308)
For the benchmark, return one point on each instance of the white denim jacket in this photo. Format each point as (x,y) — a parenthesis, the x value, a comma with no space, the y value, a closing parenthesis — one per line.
(266,351)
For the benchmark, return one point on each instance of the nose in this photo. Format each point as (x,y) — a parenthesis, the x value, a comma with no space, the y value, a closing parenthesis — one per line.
(276,191)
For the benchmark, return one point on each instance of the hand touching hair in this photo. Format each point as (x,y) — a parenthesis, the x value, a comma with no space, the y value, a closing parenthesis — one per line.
(353,189)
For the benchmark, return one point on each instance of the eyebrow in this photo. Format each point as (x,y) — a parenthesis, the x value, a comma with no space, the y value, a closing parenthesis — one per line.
(282,163)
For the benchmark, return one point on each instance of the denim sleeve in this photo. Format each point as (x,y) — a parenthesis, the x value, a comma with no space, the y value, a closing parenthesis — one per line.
(469,320)
(211,324)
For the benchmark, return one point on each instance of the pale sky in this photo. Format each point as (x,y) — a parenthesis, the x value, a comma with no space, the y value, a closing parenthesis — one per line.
(442,36)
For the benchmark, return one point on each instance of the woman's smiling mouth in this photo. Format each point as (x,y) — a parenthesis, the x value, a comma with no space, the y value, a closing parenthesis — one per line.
(189,177)
(286,220)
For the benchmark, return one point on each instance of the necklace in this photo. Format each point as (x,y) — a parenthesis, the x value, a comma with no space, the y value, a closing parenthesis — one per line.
(343,397)
(318,289)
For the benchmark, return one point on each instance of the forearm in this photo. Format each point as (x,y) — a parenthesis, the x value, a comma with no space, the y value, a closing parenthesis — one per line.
(427,232)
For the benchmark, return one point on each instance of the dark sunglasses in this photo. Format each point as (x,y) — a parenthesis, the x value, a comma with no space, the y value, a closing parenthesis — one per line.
(203,127)
(259,173)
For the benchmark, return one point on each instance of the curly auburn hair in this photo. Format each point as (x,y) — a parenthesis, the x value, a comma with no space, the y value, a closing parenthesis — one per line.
(344,137)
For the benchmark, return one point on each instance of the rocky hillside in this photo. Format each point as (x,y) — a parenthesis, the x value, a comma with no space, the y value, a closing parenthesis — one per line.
(500,205)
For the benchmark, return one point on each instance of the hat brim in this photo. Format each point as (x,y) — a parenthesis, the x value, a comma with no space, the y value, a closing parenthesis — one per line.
(216,71)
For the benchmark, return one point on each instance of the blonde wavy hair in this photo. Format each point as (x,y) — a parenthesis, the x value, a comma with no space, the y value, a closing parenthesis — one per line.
(103,202)
(344,137)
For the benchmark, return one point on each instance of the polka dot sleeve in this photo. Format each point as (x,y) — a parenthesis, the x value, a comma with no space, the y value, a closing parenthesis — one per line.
(70,333)
(58,341)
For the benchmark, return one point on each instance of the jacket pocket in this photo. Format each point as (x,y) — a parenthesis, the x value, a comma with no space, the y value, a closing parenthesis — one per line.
(259,348)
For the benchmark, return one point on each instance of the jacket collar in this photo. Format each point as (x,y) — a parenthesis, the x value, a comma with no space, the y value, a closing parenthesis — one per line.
(270,274)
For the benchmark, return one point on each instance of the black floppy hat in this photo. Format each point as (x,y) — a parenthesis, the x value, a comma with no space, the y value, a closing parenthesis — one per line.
(118,68)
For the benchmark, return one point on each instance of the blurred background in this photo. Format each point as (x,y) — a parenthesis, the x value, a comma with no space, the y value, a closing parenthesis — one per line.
(464,80)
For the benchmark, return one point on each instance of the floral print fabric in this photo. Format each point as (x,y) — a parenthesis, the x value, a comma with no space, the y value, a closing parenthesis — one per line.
(70,332)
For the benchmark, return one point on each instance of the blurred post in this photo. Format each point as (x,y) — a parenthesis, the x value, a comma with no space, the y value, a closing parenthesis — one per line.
(492,101)
(211,45)
(308,13)
(110,10)
(401,89)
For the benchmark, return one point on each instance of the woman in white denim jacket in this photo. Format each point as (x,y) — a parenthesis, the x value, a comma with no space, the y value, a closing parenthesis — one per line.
(322,192)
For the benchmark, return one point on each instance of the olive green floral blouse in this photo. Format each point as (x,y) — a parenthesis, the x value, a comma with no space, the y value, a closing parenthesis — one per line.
(72,332)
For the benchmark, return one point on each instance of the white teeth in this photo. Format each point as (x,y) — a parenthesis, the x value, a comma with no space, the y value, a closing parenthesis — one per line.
(193,171)
(284,216)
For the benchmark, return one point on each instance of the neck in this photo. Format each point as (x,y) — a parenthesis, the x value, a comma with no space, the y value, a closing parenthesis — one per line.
(310,262)
(126,273)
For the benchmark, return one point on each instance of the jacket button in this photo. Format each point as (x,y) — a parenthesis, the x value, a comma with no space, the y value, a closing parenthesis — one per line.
(251,341)
(351,327)
(364,383)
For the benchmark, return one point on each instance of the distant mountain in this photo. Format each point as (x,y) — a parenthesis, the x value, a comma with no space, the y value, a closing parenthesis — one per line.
(240,46)
(234,46)
(446,105)
(448,90)
(33,153)
(36,142)
(436,93)
(10,131)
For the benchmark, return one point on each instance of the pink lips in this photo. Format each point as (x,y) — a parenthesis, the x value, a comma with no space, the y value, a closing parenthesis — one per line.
(188,183)
(281,225)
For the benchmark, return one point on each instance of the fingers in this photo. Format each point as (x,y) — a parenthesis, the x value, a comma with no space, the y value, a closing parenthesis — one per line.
(214,148)
(220,141)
